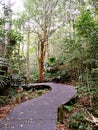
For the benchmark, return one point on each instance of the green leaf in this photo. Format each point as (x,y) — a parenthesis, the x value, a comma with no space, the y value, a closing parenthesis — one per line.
(68,108)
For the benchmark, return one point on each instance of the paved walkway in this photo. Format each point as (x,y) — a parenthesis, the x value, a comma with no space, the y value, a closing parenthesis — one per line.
(39,113)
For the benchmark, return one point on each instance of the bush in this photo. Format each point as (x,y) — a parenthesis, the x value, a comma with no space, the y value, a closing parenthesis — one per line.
(77,122)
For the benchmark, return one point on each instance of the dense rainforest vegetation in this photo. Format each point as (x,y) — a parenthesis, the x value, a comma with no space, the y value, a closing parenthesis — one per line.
(51,40)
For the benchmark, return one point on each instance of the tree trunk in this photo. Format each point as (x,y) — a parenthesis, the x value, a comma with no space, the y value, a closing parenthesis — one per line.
(27,57)
(7,26)
(41,69)
(41,62)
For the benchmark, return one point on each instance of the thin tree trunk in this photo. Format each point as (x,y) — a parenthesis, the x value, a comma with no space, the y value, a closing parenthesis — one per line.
(27,56)
(7,26)
(41,69)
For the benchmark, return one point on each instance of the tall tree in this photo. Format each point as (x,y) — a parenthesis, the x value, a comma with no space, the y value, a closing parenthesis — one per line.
(43,16)
(27,53)
(22,23)
(47,18)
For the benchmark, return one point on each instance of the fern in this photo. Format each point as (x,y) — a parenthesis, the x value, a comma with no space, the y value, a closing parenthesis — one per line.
(4,82)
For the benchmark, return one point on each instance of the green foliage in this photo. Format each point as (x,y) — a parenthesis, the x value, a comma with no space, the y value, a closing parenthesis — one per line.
(2,101)
(52,60)
(12,92)
(17,64)
(4,82)
(78,122)
(2,22)
(40,92)
(31,50)
(34,96)
(87,27)
(14,36)
(7,10)
(85,24)
(68,108)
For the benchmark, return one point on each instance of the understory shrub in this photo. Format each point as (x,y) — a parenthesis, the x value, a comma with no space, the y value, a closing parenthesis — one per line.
(77,122)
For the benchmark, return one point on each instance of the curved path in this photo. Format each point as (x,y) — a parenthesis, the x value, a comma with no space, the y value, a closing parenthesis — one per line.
(39,113)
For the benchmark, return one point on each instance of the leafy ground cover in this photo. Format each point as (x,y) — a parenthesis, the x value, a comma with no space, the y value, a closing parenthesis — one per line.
(81,113)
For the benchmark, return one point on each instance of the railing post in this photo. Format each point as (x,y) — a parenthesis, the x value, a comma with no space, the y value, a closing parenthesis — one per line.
(61,114)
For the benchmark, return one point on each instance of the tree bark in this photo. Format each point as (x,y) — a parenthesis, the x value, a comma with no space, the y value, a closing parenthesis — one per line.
(41,69)
(27,56)
(41,62)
